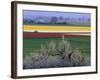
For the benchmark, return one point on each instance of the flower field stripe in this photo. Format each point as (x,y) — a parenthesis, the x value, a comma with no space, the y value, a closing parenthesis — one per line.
(32,34)
(56,28)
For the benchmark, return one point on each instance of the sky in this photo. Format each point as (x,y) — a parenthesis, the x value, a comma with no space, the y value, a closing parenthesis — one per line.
(31,13)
